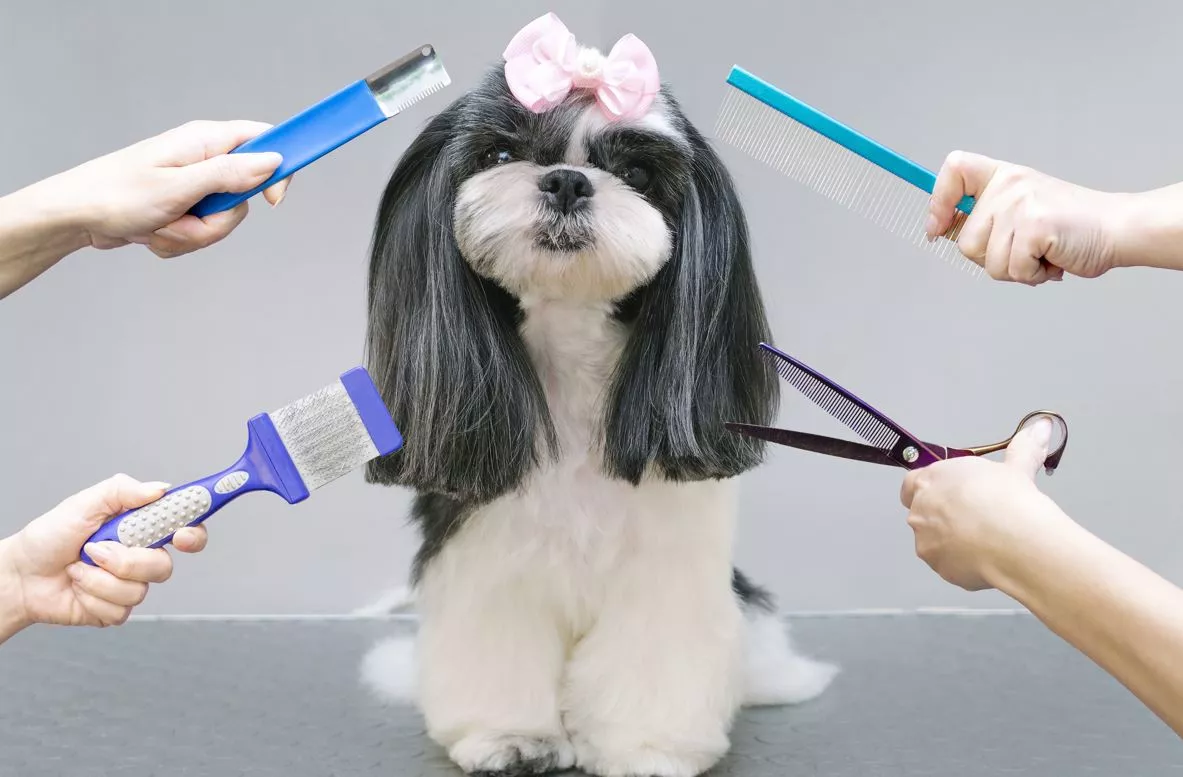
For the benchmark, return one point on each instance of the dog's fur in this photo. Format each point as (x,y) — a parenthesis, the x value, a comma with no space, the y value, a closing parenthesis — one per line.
(562,380)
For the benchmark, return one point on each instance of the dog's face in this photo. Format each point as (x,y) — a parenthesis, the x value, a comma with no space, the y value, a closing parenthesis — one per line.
(566,204)
(494,207)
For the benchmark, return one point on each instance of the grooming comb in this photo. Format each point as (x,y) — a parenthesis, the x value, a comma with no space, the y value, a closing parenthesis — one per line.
(842,405)
(290,452)
(338,119)
(836,161)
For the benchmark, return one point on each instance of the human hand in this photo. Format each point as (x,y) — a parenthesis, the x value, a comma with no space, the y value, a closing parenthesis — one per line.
(142,193)
(972,517)
(41,564)
(1027,226)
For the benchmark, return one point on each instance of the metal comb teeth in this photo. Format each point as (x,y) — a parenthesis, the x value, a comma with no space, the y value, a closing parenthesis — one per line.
(831,169)
(835,403)
(324,434)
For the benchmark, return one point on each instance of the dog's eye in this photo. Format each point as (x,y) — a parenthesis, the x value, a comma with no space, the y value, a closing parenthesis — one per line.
(497,156)
(637,176)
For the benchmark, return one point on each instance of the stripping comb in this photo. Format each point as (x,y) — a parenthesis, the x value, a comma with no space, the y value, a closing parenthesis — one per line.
(290,452)
(338,119)
(836,161)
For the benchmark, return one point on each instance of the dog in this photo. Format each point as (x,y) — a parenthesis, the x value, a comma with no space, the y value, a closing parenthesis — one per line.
(563,313)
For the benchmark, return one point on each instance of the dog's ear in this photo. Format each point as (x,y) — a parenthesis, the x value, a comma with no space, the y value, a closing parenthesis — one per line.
(442,342)
(693,361)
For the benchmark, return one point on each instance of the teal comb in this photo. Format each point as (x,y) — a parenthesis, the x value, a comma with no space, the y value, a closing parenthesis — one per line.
(836,161)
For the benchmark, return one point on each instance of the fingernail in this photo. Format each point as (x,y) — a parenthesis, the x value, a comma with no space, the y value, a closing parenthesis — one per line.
(930,224)
(1043,431)
(264,162)
(158,485)
(282,194)
(97,551)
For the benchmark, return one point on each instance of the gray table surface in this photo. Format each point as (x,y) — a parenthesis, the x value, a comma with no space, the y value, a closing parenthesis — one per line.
(918,695)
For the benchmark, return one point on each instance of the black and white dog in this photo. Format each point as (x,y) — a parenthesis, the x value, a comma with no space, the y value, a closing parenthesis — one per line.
(562,315)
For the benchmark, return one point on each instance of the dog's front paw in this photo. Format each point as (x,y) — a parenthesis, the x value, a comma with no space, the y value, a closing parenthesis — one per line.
(644,760)
(512,755)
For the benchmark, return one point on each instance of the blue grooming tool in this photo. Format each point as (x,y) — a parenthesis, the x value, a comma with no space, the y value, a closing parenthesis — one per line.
(338,119)
(836,161)
(290,452)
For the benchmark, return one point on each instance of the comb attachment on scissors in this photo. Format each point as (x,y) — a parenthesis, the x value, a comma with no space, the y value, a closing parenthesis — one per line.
(857,418)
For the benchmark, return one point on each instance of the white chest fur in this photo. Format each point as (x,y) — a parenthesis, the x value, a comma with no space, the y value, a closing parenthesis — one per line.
(570,529)
(583,620)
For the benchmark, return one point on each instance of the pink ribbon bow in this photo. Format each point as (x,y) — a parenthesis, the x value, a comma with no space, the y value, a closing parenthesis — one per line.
(543,63)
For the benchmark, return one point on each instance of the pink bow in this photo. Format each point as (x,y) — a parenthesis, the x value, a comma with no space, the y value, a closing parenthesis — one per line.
(543,63)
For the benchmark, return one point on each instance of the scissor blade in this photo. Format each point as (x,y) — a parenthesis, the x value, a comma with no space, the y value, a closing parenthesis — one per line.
(815,443)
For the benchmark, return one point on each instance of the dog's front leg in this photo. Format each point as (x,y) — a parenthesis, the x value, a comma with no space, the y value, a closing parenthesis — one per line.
(491,661)
(652,689)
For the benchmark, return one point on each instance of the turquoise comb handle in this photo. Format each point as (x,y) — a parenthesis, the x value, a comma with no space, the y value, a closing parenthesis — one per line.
(868,149)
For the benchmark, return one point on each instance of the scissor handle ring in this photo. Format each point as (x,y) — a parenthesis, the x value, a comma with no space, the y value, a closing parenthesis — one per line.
(1053,458)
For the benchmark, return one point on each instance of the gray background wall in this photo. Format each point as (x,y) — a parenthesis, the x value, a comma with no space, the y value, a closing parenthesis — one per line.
(116,361)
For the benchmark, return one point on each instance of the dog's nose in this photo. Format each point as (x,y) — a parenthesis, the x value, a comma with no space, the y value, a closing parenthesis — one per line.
(566,190)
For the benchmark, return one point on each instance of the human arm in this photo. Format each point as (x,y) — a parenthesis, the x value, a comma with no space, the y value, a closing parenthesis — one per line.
(1029,227)
(983,524)
(42,579)
(139,194)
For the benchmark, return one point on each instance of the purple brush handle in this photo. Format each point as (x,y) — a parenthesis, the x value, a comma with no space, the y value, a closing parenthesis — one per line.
(264,466)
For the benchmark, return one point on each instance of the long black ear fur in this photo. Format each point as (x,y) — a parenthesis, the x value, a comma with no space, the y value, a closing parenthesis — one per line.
(442,343)
(693,361)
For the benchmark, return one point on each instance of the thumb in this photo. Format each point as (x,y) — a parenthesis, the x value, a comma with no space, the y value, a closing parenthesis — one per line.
(91,507)
(962,174)
(1028,450)
(228,173)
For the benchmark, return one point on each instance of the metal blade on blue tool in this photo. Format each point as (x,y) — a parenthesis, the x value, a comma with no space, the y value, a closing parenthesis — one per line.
(858,416)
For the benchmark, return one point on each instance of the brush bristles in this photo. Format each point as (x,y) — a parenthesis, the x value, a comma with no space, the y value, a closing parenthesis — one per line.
(836,172)
(324,435)
(836,404)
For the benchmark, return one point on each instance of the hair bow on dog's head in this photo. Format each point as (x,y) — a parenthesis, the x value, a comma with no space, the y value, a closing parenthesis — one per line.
(543,63)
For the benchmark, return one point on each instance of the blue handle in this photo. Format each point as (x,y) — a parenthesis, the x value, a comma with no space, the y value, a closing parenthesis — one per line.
(304,138)
(874,152)
(264,466)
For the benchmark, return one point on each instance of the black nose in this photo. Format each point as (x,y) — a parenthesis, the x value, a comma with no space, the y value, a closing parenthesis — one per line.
(566,190)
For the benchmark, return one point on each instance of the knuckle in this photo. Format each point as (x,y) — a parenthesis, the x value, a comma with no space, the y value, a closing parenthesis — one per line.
(226,170)
(956,160)
(196,126)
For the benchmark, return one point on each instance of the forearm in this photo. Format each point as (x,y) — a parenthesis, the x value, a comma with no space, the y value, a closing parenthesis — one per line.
(12,618)
(35,233)
(1151,229)
(1120,614)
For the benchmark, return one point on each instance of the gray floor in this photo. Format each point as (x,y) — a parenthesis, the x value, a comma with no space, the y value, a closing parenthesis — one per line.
(919,695)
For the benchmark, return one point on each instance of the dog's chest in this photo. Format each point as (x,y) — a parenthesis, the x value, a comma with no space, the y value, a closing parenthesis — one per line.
(569,512)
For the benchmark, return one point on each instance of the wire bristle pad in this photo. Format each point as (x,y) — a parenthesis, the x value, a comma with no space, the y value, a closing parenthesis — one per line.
(835,171)
(833,402)
(324,435)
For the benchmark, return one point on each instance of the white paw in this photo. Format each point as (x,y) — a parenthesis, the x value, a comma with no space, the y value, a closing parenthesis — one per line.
(512,754)
(644,761)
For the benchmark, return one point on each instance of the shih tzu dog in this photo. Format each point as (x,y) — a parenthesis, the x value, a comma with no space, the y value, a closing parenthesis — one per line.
(562,315)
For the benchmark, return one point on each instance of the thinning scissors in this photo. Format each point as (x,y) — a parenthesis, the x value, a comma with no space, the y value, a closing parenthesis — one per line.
(889,443)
